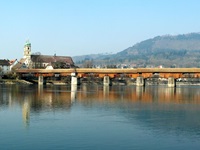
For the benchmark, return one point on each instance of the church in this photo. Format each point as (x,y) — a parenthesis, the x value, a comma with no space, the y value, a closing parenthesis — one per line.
(37,61)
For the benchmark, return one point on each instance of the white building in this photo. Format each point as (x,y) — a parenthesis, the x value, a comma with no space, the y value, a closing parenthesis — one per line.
(6,66)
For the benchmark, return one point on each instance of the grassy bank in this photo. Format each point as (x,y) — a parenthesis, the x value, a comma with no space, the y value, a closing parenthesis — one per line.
(13,81)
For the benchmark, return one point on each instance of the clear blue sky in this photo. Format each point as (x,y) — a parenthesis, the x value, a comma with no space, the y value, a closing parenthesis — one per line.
(78,27)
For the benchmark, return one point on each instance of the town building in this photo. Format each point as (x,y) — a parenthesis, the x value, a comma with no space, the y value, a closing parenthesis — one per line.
(6,66)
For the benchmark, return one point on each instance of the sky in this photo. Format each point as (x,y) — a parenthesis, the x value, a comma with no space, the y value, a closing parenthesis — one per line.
(81,27)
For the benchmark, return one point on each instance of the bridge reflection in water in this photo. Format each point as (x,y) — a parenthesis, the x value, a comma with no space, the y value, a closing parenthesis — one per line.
(151,114)
(47,98)
(64,96)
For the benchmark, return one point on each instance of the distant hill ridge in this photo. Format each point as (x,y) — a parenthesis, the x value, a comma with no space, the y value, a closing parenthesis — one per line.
(180,42)
(169,51)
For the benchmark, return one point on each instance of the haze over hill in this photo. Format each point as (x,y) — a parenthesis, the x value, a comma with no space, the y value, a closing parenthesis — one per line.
(168,51)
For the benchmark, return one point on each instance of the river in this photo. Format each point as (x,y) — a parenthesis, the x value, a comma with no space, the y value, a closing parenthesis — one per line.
(99,117)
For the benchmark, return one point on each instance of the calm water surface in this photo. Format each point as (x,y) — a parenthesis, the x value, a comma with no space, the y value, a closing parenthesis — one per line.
(99,117)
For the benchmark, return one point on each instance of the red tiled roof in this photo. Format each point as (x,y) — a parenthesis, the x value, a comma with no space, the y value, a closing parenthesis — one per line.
(51,59)
(12,61)
(4,62)
(19,63)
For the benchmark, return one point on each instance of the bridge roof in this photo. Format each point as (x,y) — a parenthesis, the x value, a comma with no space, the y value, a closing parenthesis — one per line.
(114,71)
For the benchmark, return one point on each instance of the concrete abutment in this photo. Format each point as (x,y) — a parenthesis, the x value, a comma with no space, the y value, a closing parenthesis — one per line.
(171,82)
(106,80)
(139,81)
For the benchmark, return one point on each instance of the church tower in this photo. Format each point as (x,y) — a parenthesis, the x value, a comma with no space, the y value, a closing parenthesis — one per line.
(27,50)
(27,54)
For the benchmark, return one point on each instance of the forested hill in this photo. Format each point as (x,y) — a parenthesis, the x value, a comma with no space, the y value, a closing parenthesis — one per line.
(169,51)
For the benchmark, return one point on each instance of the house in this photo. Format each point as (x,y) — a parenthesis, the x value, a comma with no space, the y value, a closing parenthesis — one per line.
(4,66)
(56,62)
(38,61)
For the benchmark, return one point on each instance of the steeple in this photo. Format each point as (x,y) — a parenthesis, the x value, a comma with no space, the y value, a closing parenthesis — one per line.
(27,49)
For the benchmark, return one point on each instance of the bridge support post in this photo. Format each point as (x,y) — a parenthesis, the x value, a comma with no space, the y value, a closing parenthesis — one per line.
(171,82)
(40,80)
(139,81)
(106,80)
(74,79)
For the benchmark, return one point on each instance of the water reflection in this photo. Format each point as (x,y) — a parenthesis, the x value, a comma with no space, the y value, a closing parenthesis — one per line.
(63,96)
(139,92)
(73,93)
(40,89)
(106,89)
(156,107)
(26,113)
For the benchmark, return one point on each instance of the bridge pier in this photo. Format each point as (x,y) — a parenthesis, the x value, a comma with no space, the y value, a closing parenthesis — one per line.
(106,80)
(40,80)
(171,82)
(74,79)
(139,81)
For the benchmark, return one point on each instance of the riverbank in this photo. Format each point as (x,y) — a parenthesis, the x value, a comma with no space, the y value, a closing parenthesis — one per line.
(14,81)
